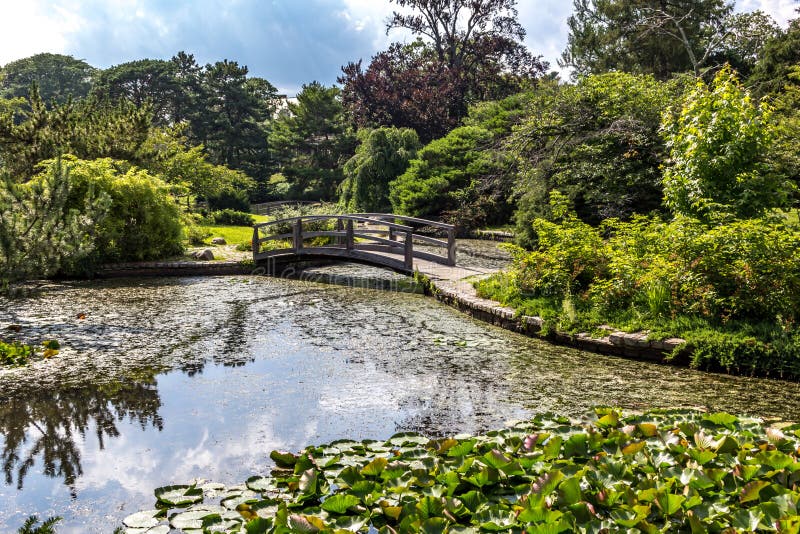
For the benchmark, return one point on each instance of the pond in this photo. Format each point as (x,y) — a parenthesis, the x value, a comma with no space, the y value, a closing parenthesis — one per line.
(164,380)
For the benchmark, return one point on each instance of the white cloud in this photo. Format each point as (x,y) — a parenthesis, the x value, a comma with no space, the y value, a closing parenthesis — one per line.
(780,10)
(34,26)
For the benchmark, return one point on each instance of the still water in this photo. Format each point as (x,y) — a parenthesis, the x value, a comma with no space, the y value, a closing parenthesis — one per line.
(164,380)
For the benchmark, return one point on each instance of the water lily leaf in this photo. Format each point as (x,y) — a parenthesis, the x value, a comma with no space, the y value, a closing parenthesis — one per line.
(485,476)
(160,529)
(433,525)
(495,519)
(305,523)
(669,503)
(242,497)
(633,448)
(703,441)
(375,467)
(746,519)
(576,446)
(702,457)
(462,449)
(547,483)
(283,459)
(570,491)
(775,459)
(258,525)
(727,444)
(339,503)
(722,419)
(353,524)
(179,495)
(789,525)
(261,484)
(146,519)
(408,438)
(193,517)
(496,459)
(648,430)
(751,490)
(610,420)
(552,448)
(473,500)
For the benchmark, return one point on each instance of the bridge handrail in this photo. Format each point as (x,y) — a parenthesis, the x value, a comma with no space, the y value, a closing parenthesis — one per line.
(426,222)
(354,218)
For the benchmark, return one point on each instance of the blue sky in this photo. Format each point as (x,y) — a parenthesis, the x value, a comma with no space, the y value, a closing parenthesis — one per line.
(288,42)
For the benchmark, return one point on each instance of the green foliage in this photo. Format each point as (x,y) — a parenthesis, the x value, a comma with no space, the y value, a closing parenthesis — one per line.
(442,169)
(775,63)
(311,141)
(43,227)
(31,526)
(187,168)
(89,129)
(143,220)
(664,471)
(740,281)
(718,146)
(232,218)
(784,155)
(382,156)
(14,353)
(645,36)
(597,142)
(58,78)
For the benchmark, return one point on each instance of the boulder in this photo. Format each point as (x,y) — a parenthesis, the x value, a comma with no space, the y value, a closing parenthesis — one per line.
(219,241)
(204,255)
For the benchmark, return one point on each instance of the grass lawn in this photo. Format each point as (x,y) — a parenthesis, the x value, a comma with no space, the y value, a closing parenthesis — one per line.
(234,235)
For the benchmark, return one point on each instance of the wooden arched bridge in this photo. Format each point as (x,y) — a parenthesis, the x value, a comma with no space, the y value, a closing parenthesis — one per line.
(381,239)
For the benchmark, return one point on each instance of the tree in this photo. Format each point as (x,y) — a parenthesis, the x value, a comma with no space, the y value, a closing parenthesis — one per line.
(40,230)
(718,144)
(235,111)
(780,55)
(468,51)
(597,142)
(745,39)
(382,156)
(656,37)
(58,77)
(88,129)
(784,155)
(145,81)
(312,141)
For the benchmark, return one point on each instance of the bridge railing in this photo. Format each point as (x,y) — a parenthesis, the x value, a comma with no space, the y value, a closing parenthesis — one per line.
(268,208)
(449,230)
(352,236)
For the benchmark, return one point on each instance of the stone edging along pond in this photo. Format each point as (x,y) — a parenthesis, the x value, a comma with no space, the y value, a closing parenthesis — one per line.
(457,294)
(462,296)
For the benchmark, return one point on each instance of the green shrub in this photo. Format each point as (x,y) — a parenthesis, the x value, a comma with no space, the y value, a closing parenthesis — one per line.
(143,221)
(229,217)
(230,200)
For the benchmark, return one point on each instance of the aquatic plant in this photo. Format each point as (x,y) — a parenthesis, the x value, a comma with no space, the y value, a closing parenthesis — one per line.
(663,471)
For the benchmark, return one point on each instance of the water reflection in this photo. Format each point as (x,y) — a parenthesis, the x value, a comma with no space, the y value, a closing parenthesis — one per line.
(50,426)
(246,365)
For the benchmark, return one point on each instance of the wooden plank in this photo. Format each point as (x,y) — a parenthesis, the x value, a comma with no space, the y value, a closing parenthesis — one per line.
(430,240)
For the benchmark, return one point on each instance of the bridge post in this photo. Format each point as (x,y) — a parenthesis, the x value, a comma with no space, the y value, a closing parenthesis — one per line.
(349,239)
(339,228)
(451,246)
(409,256)
(392,237)
(255,245)
(297,237)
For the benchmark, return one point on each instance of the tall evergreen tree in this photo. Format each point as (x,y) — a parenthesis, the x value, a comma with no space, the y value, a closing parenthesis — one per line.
(658,37)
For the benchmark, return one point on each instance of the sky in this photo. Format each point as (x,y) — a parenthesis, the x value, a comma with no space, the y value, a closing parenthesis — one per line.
(288,42)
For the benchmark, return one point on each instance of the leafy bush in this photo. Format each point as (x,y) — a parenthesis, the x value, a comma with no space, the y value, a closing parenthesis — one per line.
(41,230)
(740,280)
(143,221)
(230,200)
(229,217)
(718,144)
(662,471)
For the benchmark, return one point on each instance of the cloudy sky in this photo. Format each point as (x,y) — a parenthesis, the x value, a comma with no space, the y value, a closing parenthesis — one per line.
(288,42)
